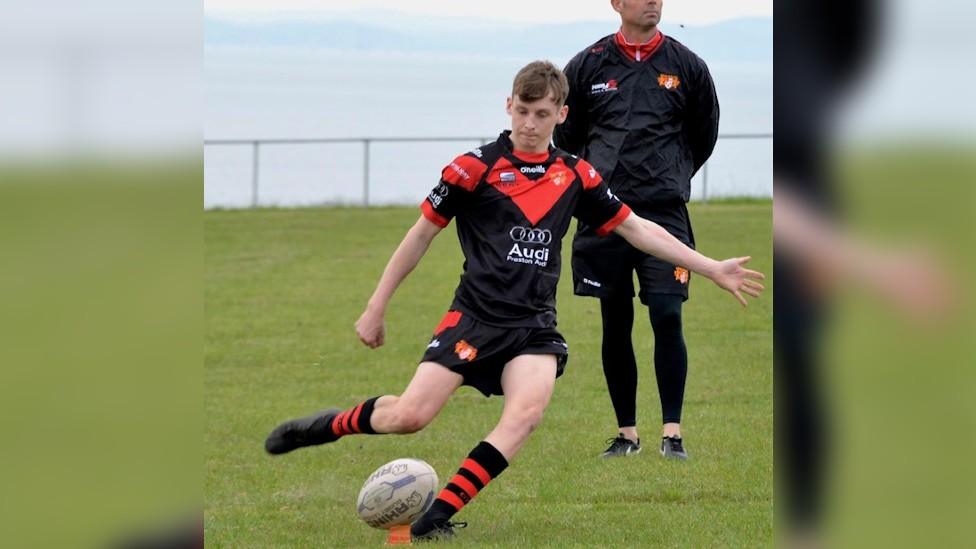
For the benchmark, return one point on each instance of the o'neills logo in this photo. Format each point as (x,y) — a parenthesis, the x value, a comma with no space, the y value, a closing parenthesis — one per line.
(533,169)
(604,87)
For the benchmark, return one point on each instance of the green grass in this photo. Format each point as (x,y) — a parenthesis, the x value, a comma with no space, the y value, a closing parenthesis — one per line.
(282,291)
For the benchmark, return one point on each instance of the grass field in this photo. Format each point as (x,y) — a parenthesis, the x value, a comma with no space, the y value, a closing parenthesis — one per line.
(283,288)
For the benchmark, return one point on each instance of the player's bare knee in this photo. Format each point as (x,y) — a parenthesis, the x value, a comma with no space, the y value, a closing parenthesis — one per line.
(410,419)
(528,418)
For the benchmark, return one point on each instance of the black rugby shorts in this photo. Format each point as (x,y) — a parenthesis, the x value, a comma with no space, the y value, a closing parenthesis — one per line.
(605,266)
(479,352)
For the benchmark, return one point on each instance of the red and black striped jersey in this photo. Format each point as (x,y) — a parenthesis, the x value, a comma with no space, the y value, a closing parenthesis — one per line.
(512,211)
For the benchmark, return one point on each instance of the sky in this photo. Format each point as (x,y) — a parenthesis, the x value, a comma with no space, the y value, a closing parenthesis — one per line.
(551,11)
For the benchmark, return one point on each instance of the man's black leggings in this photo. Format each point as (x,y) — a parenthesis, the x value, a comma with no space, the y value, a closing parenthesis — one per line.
(670,355)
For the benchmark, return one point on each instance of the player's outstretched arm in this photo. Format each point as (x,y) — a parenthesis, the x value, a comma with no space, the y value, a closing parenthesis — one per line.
(414,245)
(730,275)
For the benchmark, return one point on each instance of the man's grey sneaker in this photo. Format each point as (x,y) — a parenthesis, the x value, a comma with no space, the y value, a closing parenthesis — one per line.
(306,431)
(671,448)
(438,530)
(621,446)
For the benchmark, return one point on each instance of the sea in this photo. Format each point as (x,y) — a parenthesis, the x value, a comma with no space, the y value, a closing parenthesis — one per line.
(256,93)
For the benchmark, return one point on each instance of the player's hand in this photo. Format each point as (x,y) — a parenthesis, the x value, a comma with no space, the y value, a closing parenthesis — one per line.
(371,329)
(732,277)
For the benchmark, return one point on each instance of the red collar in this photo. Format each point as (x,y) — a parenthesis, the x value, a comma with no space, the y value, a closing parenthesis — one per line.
(638,52)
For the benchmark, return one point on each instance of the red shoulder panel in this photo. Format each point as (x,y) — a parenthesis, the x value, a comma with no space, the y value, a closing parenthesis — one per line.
(591,178)
(464,171)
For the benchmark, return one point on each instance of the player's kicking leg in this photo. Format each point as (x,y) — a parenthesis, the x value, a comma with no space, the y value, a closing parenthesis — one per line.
(527,382)
(410,412)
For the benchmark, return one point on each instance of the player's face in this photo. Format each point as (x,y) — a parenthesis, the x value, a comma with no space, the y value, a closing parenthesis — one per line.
(638,13)
(532,123)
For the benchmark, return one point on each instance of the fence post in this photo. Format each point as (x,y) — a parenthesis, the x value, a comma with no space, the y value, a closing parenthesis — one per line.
(366,173)
(705,183)
(255,169)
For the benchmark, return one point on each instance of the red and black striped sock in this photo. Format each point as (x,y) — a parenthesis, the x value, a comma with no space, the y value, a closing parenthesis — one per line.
(484,463)
(354,420)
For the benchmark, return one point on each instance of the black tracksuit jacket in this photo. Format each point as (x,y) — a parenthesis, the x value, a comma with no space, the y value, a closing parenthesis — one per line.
(646,126)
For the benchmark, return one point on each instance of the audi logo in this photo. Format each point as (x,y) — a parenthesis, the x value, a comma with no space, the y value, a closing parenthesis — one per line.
(531,236)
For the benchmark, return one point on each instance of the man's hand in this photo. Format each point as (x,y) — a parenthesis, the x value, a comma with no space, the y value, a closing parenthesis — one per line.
(370,328)
(652,239)
(732,277)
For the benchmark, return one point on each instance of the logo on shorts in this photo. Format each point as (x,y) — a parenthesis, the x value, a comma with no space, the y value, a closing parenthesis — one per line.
(434,344)
(681,275)
(465,351)
(593,283)
(668,81)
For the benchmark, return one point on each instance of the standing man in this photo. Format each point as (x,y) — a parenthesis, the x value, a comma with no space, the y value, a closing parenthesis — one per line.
(513,200)
(643,112)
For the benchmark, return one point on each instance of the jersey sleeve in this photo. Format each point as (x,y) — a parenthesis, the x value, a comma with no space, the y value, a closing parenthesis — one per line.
(598,207)
(451,195)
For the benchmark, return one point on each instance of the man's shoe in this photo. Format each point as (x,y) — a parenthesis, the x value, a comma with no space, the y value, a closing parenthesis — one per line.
(435,530)
(671,448)
(297,433)
(621,446)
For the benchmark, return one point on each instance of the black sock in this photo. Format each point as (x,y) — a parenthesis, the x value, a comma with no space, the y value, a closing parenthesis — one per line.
(354,420)
(483,464)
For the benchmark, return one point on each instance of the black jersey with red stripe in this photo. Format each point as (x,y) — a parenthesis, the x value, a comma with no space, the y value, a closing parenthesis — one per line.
(512,211)
(645,115)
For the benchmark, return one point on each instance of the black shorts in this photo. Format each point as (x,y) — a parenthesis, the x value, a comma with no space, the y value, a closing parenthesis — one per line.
(479,352)
(604,266)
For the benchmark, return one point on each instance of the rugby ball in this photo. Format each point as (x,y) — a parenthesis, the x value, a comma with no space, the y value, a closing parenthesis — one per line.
(397,493)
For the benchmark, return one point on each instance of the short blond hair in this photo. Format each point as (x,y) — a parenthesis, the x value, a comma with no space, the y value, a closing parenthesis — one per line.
(541,79)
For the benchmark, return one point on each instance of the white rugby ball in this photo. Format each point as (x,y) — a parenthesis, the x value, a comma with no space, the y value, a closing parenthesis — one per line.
(397,493)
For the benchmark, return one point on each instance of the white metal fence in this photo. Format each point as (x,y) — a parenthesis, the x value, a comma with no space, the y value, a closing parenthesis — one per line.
(367,146)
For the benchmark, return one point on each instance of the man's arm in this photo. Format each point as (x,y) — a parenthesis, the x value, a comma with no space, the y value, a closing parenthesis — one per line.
(571,135)
(701,126)
(830,254)
(412,248)
(652,239)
